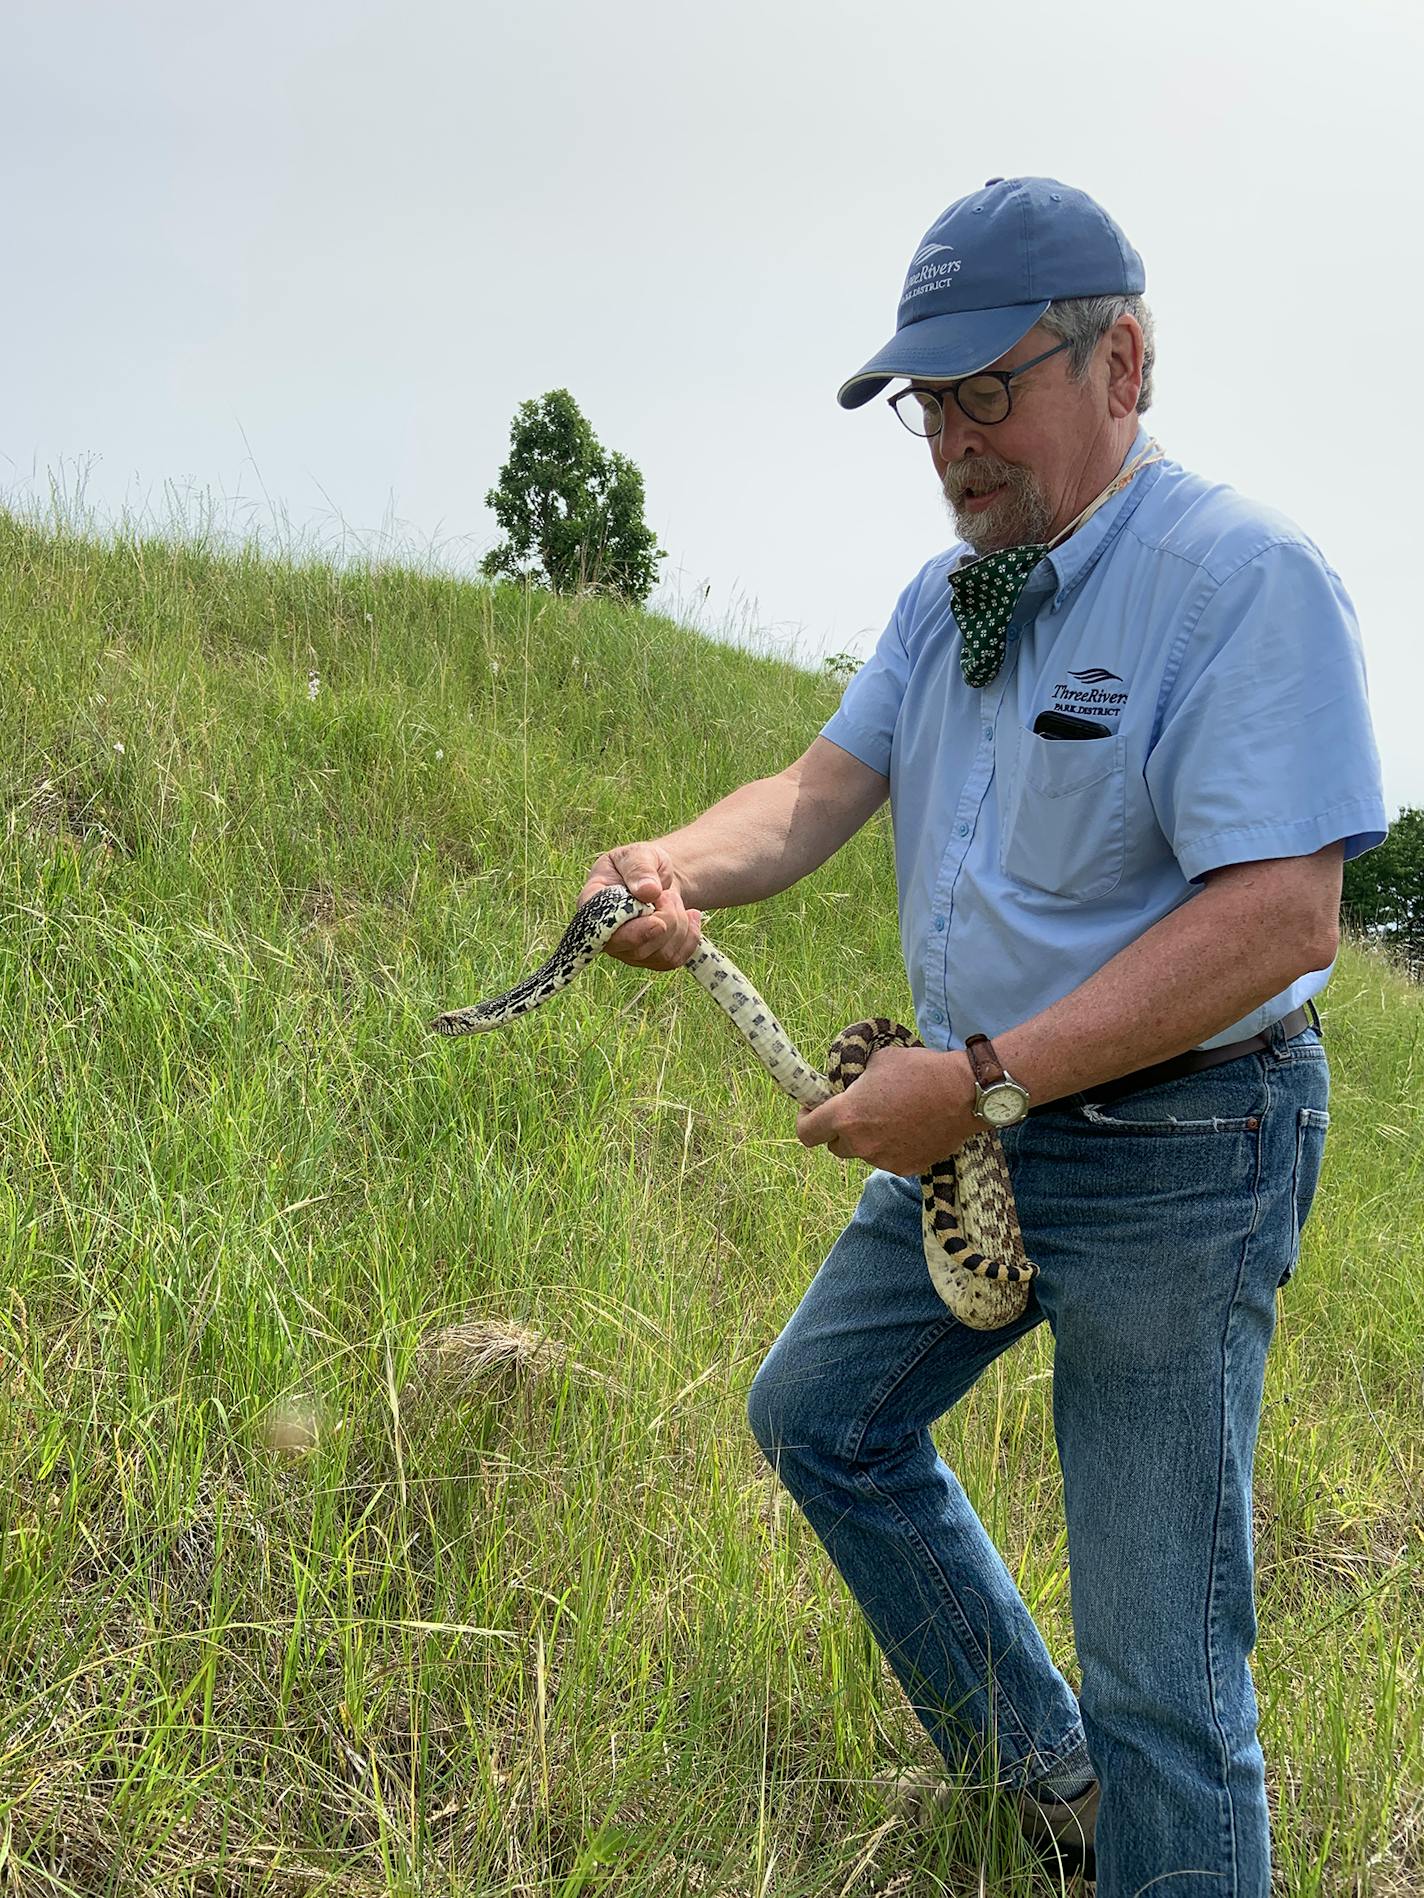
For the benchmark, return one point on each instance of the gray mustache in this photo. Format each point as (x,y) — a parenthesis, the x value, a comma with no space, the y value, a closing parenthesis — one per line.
(978,473)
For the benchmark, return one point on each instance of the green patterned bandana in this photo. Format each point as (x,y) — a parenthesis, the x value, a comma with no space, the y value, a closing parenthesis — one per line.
(985,594)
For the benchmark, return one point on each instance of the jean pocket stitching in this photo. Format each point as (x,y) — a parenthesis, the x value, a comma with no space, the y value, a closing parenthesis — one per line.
(1218,1124)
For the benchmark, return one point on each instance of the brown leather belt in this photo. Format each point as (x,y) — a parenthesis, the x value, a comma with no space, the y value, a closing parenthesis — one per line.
(1295,1023)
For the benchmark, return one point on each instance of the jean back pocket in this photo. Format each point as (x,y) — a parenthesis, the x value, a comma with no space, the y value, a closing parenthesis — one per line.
(1311,1123)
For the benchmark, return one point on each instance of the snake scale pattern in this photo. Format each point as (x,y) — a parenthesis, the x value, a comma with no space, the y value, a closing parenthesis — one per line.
(973,1246)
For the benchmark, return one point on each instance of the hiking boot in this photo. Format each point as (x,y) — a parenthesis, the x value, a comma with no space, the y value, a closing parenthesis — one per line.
(1062,1829)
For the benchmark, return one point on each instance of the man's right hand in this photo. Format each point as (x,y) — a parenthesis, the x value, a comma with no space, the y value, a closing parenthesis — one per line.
(667,938)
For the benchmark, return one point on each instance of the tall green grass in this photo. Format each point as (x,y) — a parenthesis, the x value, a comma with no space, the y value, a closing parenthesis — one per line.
(379,1510)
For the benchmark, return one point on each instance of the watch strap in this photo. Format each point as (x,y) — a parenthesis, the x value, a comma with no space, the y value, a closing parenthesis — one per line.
(988,1069)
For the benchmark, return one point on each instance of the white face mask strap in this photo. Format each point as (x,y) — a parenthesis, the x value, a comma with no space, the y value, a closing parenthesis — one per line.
(1115,486)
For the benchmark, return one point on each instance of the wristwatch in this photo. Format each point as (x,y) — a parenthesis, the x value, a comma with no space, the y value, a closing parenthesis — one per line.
(998,1098)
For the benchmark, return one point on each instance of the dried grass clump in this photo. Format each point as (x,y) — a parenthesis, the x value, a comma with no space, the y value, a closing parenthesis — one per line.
(69,1832)
(472,1352)
(49,815)
(479,1356)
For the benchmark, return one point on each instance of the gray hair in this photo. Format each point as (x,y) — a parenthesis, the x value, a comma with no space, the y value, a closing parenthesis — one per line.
(1084,321)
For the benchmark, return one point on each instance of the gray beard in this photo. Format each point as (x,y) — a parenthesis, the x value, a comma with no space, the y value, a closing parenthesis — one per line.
(1020,516)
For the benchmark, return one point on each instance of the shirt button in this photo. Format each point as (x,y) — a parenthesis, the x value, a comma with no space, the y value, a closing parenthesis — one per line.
(961,830)
(988,731)
(939,922)
(937,1016)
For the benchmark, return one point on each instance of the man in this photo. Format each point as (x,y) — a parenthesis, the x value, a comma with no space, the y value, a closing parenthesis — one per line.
(1123,729)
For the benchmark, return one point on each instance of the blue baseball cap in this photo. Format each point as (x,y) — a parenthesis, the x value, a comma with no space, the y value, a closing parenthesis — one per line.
(985,273)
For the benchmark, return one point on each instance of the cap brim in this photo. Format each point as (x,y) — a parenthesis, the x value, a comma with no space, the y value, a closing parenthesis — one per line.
(941,348)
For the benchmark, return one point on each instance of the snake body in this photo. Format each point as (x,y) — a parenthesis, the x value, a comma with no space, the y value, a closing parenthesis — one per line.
(973,1246)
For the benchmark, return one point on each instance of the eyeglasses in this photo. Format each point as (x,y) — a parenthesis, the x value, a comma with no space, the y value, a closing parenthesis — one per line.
(984,398)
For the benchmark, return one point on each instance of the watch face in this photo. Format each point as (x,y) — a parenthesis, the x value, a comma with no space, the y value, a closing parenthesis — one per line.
(1003,1106)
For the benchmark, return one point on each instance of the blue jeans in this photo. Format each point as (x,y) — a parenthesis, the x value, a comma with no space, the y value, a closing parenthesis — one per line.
(1162,1225)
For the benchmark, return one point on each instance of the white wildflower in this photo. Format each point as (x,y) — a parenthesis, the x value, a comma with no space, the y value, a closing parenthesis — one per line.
(313,683)
(119,746)
(438,756)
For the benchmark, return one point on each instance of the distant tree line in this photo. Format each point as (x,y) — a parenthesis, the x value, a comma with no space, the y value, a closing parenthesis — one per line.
(1383,893)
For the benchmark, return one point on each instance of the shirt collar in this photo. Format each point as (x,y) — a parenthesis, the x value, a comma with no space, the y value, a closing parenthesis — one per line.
(1061,571)
(1079,554)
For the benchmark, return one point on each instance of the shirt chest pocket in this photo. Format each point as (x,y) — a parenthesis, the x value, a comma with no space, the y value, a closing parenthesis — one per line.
(1062,805)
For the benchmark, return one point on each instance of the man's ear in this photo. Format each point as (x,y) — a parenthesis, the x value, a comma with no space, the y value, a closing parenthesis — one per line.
(1124,366)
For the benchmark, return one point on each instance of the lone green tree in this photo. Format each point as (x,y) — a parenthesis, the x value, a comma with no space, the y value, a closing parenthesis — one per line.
(572,515)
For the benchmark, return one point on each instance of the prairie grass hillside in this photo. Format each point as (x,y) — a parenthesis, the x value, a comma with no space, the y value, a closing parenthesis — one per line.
(380,1513)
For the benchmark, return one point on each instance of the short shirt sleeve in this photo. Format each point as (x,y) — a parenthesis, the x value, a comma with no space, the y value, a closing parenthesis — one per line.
(1266,748)
(864,725)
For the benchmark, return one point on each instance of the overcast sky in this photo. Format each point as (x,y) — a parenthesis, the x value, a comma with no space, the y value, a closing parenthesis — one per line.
(306,259)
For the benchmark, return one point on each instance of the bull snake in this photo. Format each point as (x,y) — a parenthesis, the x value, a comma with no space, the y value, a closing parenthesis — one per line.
(973,1245)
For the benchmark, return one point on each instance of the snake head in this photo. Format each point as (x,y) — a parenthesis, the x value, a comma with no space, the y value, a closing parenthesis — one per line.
(594,922)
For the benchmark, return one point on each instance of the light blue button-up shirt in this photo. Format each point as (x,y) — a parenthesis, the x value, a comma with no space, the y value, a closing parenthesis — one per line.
(1210,636)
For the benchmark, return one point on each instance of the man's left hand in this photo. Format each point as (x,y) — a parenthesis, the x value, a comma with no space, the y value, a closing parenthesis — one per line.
(910,1108)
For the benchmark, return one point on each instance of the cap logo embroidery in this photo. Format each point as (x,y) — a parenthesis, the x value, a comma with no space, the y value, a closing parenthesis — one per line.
(926,275)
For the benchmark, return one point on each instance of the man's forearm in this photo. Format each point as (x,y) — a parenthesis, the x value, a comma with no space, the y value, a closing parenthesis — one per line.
(767,835)
(741,850)
(1208,964)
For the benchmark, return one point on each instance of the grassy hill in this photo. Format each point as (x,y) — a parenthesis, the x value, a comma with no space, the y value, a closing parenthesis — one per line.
(380,1513)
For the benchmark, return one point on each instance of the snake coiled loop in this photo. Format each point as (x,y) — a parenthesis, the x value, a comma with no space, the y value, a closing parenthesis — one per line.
(968,1221)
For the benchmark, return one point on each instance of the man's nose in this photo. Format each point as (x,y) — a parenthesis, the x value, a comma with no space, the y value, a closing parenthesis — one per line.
(958,437)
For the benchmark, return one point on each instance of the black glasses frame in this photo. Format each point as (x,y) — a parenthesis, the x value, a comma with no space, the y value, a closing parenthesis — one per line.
(1002,376)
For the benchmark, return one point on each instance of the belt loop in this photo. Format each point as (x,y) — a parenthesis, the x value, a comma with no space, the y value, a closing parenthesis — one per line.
(1314,1013)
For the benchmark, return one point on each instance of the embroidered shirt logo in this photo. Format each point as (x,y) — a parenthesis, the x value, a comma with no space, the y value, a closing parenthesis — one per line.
(1091,691)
